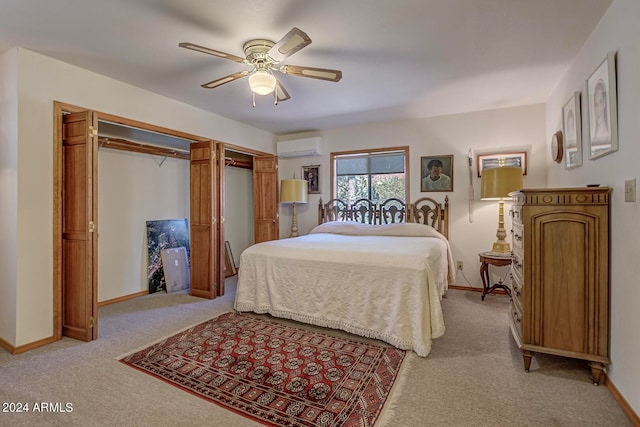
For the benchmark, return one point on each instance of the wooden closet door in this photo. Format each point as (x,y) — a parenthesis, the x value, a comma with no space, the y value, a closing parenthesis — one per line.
(265,198)
(204,220)
(79,220)
(219,248)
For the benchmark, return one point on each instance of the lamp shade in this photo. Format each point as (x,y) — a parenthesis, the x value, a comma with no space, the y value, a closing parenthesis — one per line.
(497,183)
(262,82)
(293,191)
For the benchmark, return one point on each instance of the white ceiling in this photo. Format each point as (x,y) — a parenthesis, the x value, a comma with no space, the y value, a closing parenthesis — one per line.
(399,58)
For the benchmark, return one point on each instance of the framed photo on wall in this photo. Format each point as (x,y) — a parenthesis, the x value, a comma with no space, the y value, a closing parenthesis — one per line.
(494,160)
(436,173)
(602,107)
(312,175)
(572,128)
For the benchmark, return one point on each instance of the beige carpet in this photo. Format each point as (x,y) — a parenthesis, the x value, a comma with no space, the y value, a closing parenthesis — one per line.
(473,377)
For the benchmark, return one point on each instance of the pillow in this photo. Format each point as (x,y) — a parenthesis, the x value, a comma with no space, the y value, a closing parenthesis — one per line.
(357,228)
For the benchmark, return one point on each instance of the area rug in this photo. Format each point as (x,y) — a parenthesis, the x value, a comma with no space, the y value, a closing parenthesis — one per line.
(276,374)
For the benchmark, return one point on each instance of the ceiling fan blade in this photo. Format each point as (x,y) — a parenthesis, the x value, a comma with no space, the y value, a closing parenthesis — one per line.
(208,51)
(225,79)
(314,73)
(280,93)
(292,42)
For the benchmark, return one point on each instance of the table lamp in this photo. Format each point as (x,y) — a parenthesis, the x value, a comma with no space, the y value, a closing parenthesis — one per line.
(496,184)
(293,191)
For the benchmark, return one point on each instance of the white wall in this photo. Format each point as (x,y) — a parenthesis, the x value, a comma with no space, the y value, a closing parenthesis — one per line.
(517,129)
(42,80)
(8,192)
(133,189)
(238,213)
(617,31)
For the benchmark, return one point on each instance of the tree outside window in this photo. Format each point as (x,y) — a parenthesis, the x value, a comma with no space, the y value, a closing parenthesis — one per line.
(375,176)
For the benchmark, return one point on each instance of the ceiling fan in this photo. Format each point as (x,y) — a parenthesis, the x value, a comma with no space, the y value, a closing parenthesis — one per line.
(264,56)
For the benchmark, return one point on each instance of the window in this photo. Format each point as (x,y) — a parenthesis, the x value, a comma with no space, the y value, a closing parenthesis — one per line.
(372,174)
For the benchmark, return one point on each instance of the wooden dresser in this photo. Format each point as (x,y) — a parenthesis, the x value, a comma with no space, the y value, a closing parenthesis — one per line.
(560,287)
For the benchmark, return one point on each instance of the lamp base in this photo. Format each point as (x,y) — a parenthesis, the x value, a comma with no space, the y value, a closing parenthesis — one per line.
(501,247)
(294,224)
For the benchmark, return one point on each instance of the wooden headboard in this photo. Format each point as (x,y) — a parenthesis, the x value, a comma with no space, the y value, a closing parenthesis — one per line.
(423,211)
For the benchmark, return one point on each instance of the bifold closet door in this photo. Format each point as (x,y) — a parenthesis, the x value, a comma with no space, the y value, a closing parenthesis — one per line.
(206,269)
(79,226)
(265,198)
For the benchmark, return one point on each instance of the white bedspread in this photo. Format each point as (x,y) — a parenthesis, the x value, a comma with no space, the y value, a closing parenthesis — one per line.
(384,287)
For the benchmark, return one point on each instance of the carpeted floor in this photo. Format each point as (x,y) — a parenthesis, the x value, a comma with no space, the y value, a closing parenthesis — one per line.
(473,376)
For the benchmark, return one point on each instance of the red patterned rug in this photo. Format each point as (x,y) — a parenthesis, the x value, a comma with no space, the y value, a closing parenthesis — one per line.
(276,374)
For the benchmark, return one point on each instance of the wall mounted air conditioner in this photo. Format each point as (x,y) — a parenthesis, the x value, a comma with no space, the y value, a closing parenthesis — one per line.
(304,147)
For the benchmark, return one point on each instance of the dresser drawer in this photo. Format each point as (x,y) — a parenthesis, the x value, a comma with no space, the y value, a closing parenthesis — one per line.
(516,287)
(517,236)
(515,322)
(516,214)
(517,266)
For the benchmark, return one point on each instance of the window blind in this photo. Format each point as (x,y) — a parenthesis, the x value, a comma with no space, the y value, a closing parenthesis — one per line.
(370,164)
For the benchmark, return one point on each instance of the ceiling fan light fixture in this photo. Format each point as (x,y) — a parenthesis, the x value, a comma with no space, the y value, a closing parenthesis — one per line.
(262,82)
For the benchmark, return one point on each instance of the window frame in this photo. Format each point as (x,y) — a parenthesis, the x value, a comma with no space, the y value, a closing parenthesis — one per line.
(388,150)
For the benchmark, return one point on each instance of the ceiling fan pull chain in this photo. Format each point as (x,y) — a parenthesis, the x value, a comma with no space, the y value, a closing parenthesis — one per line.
(275,102)
(254,99)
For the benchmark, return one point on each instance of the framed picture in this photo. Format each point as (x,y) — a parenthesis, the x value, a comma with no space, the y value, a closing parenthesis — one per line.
(312,175)
(164,234)
(495,160)
(572,128)
(436,173)
(602,105)
(230,263)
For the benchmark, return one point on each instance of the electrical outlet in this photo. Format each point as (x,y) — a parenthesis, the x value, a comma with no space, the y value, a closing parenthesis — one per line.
(630,190)
(459,265)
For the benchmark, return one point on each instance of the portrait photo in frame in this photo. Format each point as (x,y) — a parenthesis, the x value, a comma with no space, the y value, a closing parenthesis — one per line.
(436,173)
(495,160)
(572,128)
(602,108)
(311,174)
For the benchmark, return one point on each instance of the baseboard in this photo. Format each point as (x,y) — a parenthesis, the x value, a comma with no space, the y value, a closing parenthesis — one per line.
(124,298)
(626,408)
(23,348)
(7,346)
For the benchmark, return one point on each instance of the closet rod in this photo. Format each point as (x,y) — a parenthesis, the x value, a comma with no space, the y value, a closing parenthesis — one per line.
(239,163)
(125,145)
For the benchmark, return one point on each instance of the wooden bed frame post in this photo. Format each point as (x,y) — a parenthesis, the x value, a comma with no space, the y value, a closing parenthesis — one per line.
(445,217)
(320,212)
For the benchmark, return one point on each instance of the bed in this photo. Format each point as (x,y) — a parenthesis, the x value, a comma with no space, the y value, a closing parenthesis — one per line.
(375,270)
